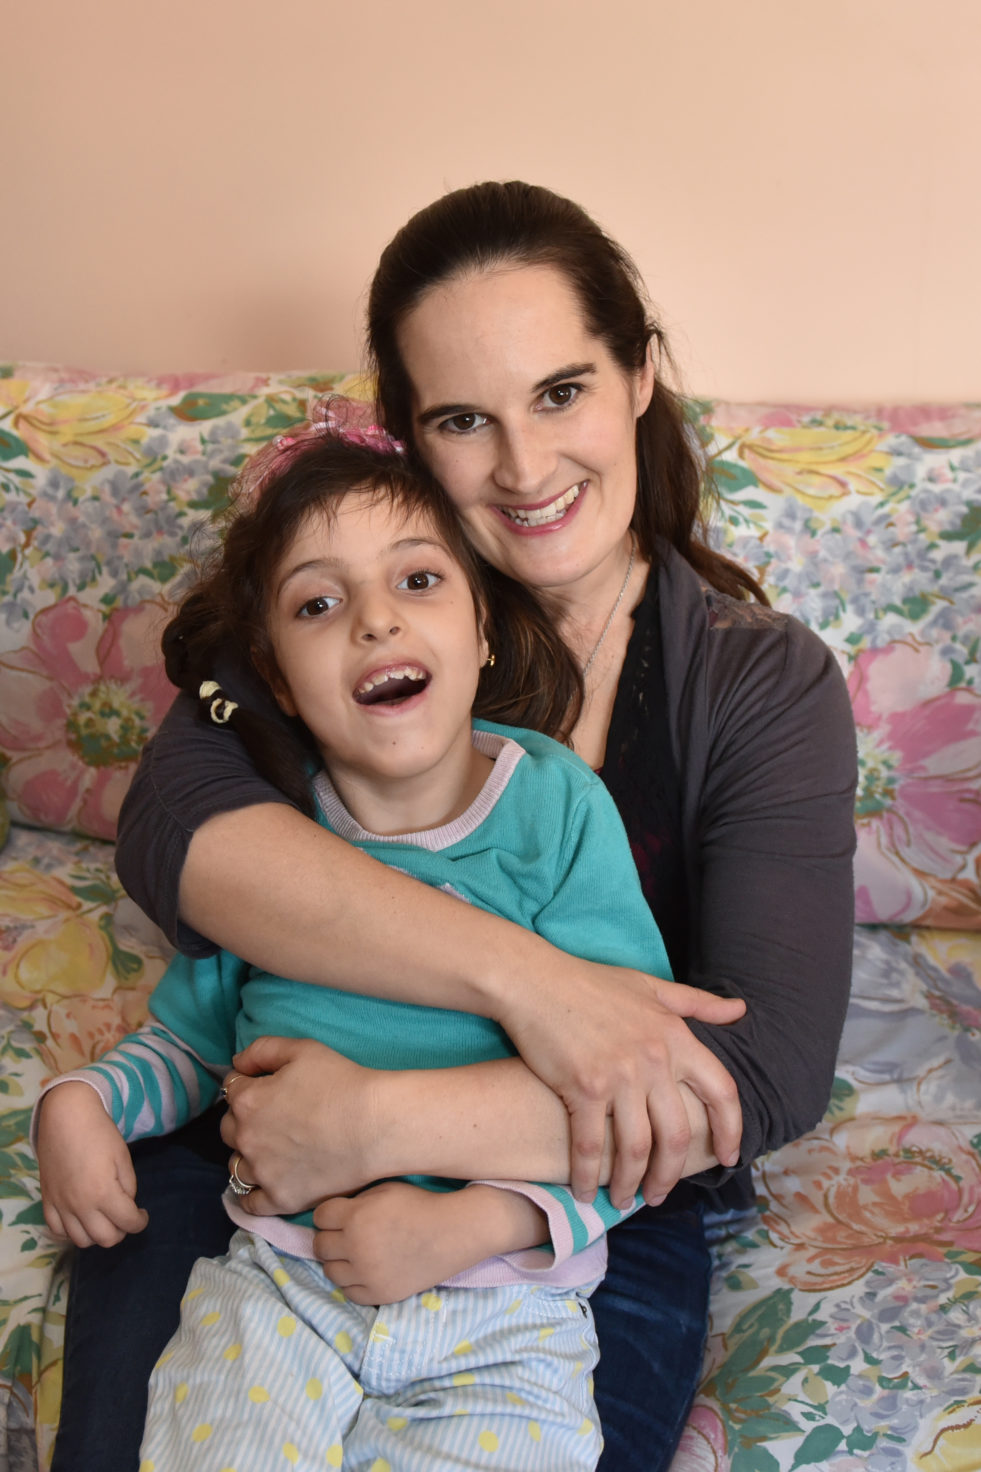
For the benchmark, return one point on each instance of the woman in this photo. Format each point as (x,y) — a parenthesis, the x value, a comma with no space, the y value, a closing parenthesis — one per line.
(514,353)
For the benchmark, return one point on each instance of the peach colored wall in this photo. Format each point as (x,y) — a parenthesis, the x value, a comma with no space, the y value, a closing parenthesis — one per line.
(208,183)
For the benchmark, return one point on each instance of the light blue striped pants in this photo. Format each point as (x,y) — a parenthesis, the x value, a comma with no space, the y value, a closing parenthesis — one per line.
(272,1368)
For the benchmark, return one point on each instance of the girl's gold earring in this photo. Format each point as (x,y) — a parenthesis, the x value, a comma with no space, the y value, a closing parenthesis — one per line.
(490,661)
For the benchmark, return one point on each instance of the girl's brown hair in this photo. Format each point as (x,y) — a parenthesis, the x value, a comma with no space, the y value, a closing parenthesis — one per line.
(534,680)
(494,224)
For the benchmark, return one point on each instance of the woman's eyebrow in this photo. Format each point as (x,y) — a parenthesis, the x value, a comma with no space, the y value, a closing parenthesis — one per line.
(570,370)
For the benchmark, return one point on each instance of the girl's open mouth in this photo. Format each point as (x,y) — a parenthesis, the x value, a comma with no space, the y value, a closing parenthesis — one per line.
(392,684)
(531,517)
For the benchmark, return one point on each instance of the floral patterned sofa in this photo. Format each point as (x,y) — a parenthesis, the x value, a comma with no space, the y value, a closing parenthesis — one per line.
(846,1319)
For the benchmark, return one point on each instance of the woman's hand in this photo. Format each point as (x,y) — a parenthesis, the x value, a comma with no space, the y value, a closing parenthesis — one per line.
(613,1042)
(306,1130)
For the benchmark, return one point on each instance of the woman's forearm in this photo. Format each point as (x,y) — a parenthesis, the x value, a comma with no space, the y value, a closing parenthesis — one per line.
(291,897)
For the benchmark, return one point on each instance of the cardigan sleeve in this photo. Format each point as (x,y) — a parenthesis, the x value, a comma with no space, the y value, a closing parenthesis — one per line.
(772,838)
(190,771)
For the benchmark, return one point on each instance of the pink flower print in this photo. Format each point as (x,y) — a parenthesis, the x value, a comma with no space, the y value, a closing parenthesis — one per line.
(77,704)
(919,805)
(702,1447)
(867,1191)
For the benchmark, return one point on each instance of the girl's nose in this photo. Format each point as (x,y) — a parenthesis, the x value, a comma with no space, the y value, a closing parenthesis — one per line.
(377,619)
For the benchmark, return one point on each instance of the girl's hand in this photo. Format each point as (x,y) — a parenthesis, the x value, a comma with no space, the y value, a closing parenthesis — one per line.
(396,1239)
(613,1042)
(88,1185)
(305,1130)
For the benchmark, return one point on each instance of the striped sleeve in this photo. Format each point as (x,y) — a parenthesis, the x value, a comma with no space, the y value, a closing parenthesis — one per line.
(573,1225)
(150,1083)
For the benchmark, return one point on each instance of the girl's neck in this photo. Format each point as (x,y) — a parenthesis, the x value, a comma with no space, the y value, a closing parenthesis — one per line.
(427,799)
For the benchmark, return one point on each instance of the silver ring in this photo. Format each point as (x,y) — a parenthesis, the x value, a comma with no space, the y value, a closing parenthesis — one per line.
(235,1182)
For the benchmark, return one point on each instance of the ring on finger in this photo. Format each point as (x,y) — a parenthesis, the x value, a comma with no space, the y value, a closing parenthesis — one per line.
(235,1182)
(232,1078)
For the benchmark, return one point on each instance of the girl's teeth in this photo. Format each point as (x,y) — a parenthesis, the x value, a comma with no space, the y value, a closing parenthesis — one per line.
(400,672)
(546,513)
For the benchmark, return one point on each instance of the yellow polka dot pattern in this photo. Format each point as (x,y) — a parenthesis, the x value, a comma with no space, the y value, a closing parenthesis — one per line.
(202,1432)
(146,1466)
(380,1465)
(286,1326)
(488,1441)
(210,1319)
(514,1398)
(334,1455)
(343,1342)
(258,1395)
(161,1362)
(180,1394)
(314,1389)
(464,1347)
(534,1431)
(464,1377)
(432,1301)
(233,1351)
(291,1453)
(379,1331)
(280,1277)
(397,1423)
(586,1426)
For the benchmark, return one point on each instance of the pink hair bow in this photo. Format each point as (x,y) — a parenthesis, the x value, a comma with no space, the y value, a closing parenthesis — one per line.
(333,415)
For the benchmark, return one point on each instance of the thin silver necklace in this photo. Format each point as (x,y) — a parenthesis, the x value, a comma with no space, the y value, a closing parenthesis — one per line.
(613,611)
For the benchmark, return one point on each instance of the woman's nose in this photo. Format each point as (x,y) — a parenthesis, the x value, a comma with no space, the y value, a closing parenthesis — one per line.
(525,460)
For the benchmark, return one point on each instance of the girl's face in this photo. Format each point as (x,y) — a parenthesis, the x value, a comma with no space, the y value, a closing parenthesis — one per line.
(528,422)
(376,639)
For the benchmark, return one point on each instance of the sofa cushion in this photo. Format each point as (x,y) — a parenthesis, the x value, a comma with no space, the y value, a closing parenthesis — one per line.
(104,482)
(866,523)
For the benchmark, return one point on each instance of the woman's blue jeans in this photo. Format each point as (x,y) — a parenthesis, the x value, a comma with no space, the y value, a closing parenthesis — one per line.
(124,1305)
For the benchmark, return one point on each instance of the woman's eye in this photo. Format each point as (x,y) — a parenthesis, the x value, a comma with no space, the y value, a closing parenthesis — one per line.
(316,607)
(561,395)
(420,582)
(463,423)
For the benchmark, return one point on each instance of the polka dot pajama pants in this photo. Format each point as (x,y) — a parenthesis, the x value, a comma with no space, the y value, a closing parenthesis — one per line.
(273,1368)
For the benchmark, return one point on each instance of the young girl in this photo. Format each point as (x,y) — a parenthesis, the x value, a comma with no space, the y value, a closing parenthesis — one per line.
(346,580)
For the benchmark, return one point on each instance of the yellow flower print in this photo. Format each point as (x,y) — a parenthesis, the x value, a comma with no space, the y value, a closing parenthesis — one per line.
(955,1440)
(81,431)
(817,465)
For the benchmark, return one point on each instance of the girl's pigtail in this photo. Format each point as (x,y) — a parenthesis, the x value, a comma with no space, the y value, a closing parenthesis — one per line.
(280,750)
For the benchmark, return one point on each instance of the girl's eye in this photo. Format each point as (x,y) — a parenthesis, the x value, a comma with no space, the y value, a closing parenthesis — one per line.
(561,395)
(317,607)
(463,423)
(420,582)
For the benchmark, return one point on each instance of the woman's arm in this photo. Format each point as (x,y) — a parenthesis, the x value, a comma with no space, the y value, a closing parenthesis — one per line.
(286,894)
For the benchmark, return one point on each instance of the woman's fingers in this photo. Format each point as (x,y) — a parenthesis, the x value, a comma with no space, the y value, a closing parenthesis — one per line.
(588,1128)
(691,1001)
(633,1140)
(672,1136)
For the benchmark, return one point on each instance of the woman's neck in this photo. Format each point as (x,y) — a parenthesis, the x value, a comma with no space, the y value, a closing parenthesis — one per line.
(596,623)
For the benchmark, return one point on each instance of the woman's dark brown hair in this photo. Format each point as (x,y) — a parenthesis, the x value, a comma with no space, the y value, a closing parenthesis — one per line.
(534,680)
(493,224)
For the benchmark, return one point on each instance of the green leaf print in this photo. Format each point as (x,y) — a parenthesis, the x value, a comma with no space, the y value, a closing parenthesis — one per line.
(753,1459)
(126,965)
(12,447)
(194,407)
(14,1125)
(818,1445)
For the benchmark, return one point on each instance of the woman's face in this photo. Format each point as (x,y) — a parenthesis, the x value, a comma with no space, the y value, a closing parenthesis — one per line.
(528,422)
